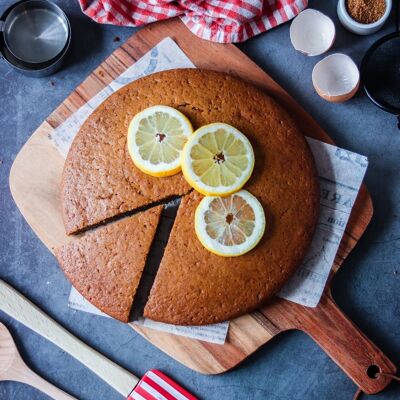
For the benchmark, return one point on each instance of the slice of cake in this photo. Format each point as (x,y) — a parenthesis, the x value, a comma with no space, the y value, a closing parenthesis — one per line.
(106,264)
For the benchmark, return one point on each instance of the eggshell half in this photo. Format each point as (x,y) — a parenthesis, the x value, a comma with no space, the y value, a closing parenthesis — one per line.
(312,33)
(336,78)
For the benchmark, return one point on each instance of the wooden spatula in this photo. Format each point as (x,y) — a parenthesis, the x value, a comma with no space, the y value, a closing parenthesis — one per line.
(13,368)
(153,384)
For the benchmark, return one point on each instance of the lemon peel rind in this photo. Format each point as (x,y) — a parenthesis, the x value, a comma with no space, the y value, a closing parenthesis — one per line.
(230,251)
(195,181)
(160,169)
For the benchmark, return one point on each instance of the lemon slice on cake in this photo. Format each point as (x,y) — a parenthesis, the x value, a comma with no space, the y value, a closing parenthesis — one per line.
(156,137)
(230,226)
(217,160)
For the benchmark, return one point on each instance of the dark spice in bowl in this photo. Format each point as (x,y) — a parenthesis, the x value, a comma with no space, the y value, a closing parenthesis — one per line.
(366,11)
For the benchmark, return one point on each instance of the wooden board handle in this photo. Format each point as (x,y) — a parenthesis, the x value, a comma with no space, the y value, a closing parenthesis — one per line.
(20,308)
(351,350)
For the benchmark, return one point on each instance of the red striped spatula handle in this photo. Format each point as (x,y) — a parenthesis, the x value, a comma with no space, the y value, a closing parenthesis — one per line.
(153,386)
(156,386)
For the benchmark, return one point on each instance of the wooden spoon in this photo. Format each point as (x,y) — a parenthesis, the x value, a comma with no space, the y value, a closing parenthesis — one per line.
(13,368)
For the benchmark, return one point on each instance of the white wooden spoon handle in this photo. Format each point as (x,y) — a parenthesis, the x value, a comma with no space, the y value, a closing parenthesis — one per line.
(16,305)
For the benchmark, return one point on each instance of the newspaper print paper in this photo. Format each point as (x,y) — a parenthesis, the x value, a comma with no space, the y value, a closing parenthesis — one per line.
(340,175)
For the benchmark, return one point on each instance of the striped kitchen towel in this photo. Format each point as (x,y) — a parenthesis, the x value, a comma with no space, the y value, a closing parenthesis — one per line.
(156,386)
(221,21)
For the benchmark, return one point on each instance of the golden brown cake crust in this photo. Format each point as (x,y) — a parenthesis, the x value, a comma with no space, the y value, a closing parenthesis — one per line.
(106,264)
(194,286)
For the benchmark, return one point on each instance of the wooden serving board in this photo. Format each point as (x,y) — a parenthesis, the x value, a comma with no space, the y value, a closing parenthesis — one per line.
(35,180)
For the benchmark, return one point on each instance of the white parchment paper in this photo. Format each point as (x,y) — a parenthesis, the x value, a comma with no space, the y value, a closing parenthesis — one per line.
(341,173)
(166,55)
(340,176)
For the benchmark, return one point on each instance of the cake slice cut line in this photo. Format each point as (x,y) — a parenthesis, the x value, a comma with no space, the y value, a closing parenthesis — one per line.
(126,214)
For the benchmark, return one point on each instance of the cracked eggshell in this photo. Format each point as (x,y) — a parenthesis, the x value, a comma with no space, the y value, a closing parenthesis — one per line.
(312,33)
(336,78)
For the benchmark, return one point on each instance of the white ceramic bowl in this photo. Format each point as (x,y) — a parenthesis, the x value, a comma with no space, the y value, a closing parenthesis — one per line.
(356,27)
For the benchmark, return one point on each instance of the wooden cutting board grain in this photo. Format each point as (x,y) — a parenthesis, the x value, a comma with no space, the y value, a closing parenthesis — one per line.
(35,184)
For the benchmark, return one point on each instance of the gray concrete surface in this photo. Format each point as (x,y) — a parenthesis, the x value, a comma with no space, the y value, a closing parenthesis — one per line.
(291,366)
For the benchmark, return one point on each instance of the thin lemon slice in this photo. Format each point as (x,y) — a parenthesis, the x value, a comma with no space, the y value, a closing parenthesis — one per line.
(156,137)
(217,160)
(230,226)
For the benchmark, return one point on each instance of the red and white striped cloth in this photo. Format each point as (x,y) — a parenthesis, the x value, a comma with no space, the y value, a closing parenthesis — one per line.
(156,386)
(221,21)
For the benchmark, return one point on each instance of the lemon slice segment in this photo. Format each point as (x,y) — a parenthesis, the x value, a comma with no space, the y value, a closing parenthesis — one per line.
(230,226)
(156,137)
(217,160)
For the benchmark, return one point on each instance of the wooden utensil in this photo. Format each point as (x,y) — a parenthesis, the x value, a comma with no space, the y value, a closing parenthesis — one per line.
(35,180)
(20,308)
(13,368)
(14,304)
